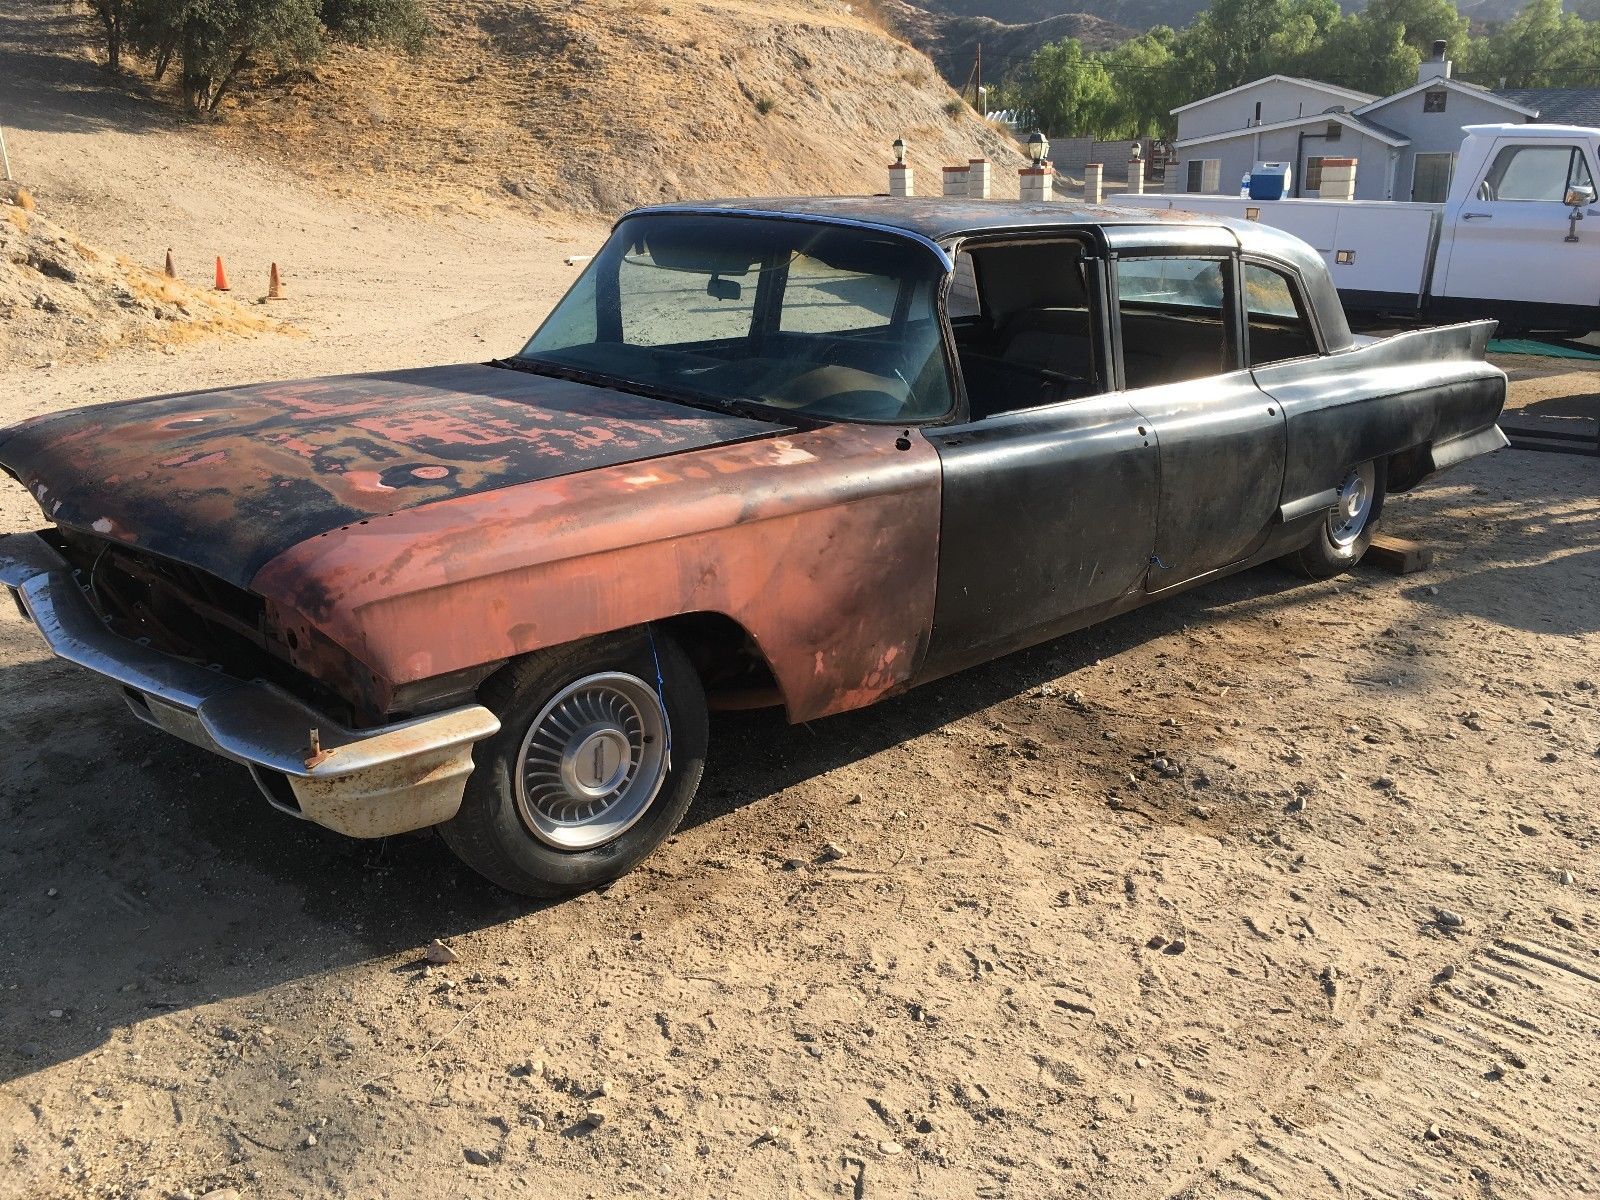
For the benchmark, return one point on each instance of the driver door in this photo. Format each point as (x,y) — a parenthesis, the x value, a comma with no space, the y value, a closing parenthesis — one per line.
(1509,240)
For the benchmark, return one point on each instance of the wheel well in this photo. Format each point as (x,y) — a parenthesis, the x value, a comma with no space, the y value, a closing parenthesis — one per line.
(1407,469)
(733,670)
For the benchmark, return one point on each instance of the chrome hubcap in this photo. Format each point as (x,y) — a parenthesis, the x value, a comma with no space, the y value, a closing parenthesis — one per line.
(592,761)
(1354,506)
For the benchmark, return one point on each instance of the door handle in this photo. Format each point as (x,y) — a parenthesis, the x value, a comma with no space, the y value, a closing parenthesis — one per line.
(1477,216)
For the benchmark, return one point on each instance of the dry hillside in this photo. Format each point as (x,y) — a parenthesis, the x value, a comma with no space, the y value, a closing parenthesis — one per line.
(63,298)
(603,105)
(952,39)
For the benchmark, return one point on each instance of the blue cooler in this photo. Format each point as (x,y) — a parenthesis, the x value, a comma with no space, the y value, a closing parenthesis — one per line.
(1269,181)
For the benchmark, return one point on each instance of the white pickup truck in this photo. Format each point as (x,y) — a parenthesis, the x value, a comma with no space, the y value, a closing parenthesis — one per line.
(1511,241)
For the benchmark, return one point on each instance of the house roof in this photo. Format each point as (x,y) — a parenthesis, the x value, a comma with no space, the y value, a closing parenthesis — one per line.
(1332,89)
(1558,106)
(1450,84)
(1371,128)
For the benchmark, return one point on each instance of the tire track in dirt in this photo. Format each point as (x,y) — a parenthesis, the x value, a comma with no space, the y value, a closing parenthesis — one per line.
(1462,1101)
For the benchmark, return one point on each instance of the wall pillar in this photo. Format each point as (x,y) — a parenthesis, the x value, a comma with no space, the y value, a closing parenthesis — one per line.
(1094,183)
(901,181)
(1136,176)
(1037,183)
(1338,179)
(978,178)
(955,181)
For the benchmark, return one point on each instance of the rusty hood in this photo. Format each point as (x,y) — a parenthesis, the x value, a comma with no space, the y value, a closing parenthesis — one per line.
(226,480)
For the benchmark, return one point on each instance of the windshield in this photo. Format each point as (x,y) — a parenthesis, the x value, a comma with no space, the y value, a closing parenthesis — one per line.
(831,321)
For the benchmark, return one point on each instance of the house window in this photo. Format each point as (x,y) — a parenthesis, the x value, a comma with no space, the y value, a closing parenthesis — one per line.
(1312,183)
(1434,101)
(1430,178)
(1203,175)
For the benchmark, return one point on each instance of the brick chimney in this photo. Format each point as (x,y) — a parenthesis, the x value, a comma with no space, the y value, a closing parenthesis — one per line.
(1435,67)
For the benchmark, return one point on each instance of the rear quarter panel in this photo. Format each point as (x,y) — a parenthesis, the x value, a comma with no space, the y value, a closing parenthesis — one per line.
(822,545)
(1400,393)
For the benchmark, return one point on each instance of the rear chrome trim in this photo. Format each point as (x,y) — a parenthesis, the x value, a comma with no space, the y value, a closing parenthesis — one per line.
(1443,455)
(361,782)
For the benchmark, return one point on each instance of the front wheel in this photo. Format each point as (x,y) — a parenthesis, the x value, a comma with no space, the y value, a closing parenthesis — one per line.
(1343,537)
(600,751)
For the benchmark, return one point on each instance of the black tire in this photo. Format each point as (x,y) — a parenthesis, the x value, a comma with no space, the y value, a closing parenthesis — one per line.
(490,833)
(1323,557)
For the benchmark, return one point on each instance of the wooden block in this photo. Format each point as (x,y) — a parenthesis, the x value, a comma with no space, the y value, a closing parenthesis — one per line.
(1398,555)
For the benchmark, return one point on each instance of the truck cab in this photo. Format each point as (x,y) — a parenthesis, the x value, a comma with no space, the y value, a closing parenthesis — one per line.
(1514,230)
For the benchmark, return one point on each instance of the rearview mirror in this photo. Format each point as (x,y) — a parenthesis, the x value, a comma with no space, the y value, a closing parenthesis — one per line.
(1579,197)
(723,289)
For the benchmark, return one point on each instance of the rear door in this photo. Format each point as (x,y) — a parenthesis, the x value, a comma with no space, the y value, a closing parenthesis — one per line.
(1221,438)
(1509,239)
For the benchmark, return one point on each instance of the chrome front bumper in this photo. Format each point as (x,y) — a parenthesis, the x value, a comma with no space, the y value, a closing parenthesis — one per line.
(360,782)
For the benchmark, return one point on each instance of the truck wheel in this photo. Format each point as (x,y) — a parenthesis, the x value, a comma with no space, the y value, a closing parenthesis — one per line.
(600,750)
(1344,536)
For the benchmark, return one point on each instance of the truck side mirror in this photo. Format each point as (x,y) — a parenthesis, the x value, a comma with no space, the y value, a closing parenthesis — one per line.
(1579,196)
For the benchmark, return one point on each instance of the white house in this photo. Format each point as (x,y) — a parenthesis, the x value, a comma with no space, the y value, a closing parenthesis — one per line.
(1404,145)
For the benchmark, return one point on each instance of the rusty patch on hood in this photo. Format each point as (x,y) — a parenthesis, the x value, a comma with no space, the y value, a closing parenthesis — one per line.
(227,480)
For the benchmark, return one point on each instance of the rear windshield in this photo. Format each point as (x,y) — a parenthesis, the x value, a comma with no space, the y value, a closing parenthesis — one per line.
(832,321)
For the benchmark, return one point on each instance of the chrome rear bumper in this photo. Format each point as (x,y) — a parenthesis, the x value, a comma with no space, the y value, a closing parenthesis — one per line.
(360,782)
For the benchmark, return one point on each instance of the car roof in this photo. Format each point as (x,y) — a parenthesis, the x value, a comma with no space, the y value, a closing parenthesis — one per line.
(943,219)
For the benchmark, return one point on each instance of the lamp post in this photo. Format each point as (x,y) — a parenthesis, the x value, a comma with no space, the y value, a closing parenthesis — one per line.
(900,176)
(1037,178)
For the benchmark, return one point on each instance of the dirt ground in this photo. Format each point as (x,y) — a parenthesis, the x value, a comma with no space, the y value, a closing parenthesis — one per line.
(1046,966)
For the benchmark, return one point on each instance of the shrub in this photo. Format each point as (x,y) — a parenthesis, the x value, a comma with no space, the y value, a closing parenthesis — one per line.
(954,107)
(765,104)
(398,23)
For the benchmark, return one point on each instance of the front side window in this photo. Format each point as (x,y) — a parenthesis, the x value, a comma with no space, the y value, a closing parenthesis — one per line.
(1276,315)
(1535,173)
(1174,315)
(833,321)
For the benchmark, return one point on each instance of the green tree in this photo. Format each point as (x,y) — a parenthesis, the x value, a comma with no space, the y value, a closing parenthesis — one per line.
(115,17)
(1424,22)
(213,41)
(398,23)
(1368,55)
(1146,84)
(1068,91)
(1543,47)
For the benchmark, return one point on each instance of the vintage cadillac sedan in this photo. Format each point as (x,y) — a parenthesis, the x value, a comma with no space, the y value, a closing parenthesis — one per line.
(807,453)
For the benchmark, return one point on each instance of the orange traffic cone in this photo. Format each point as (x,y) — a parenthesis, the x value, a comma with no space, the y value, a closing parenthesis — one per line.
(172,272)
(274,285)
(222,277)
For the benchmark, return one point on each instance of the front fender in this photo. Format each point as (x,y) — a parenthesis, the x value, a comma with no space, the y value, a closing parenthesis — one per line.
(821,544)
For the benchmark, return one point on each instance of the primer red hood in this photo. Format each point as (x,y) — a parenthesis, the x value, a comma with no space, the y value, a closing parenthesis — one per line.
(226,480)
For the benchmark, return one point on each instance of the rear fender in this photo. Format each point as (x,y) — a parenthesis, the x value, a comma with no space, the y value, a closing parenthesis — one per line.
(1397,398)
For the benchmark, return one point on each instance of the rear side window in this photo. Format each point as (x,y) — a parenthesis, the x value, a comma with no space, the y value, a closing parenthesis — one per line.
(1174,315)
(1276,312)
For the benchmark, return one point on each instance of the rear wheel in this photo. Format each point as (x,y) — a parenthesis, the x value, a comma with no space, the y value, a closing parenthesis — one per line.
(600,751)
(1343,537)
